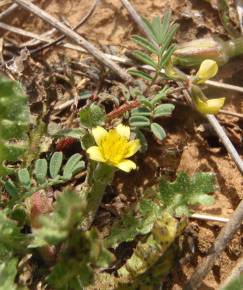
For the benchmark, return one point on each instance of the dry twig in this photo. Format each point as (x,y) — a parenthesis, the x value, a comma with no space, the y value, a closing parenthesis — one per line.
(225,235)
(100,56)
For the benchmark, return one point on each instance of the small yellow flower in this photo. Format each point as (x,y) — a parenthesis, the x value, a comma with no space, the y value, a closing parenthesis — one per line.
(113,147)
(208,69)
(211,106)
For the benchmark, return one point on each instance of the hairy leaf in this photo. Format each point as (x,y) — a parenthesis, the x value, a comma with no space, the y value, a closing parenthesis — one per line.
(92,116)
(55,164)
(13,122)
(134,223)
(158,131)
(185,191)
(68,212)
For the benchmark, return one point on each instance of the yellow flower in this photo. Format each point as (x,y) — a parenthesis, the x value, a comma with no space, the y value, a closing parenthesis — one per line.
(208,69)
(113,147)
(211,106)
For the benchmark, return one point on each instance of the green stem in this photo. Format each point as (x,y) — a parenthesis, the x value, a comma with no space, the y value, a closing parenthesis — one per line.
(94,191)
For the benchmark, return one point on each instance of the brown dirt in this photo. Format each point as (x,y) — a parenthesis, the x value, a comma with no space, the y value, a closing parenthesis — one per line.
(190,146)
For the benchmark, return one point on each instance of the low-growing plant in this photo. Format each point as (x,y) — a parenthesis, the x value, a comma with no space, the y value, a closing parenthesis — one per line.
(48,212)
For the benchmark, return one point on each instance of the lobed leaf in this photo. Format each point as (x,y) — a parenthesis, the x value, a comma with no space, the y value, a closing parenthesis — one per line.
(92,116)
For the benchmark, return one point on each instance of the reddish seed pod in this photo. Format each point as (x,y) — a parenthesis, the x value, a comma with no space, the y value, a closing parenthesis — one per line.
(65,143)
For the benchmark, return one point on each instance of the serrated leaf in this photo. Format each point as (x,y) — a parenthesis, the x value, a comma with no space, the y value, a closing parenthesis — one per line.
(135,222)
(14,118)
(68,212)
(145,43)
(163,110)
(143,57)
(71,165)
(92,116)
(41,170)
(186,190)
(24,176)
(158,131)
(140,74)
(139,121)
(55,164)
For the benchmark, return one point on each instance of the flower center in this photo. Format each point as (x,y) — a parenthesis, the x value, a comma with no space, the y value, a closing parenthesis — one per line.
(114,147)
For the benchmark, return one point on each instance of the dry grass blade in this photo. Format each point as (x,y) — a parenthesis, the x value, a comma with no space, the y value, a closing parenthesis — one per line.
(8,11)
(100,56)
(59,39)
(22,32)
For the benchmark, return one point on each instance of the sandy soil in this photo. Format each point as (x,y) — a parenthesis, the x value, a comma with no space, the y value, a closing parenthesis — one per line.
(188,146)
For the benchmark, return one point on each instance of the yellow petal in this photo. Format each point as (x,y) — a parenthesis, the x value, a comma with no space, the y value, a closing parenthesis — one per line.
(123,130)
(208,69)
(95,154)
(98,134)
(134,146)
(210,106)
(126,165)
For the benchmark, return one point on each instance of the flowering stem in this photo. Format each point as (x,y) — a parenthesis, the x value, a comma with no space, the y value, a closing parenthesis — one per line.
(94,192)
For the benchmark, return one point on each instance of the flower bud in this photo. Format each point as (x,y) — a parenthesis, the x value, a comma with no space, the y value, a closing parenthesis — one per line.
(192,53)
(208,69)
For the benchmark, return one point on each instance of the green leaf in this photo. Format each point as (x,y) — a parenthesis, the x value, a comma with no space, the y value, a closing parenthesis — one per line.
(235,284)
(68,212)
(8,272)
(24,176)
(11,238)
(145,43)
(163,110)
(141,112)
(161,95)
(158,131)
(139,121)
(41,170)
(55,164)
(144,58)
(150,29)
(11,188)
(142,140)
(137,221)
(140,74)
(73,165)
(92,116)
(87,251)
(156,24)
(166,57)
(185,191)
(14,118)
(165,25)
